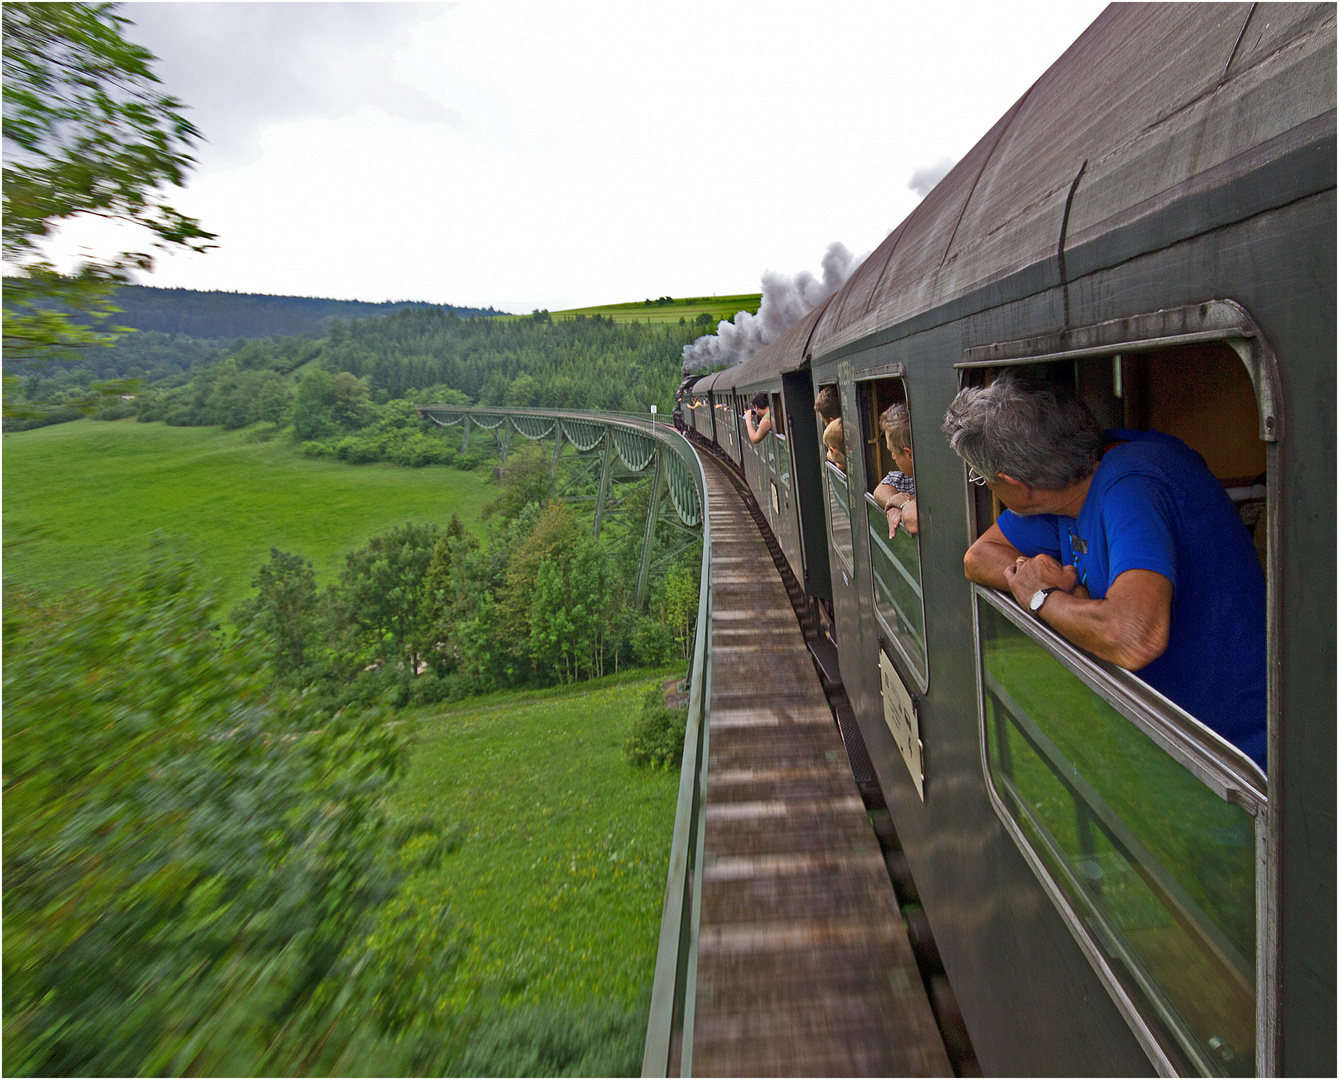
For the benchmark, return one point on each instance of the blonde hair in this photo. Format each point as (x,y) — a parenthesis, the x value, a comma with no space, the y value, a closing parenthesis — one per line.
(896,424)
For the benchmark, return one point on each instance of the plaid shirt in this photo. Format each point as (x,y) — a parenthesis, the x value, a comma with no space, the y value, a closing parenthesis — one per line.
(900,480)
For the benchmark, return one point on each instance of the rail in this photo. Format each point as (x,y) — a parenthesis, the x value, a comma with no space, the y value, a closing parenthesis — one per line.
(640,444)
(675,985)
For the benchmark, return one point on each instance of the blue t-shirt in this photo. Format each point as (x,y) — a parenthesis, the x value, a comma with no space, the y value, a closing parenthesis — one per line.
(1154,505)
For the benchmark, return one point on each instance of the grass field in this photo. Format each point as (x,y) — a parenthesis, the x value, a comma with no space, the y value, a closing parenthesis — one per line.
(102,488)
(718,307)
(559,882)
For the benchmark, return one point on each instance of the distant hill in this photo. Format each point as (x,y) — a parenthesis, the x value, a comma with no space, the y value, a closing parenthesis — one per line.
(232,315)
(669,309)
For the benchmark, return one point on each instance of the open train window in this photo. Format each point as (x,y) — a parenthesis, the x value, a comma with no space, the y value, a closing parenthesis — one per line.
(1147,828)
(890,514)
(835,483)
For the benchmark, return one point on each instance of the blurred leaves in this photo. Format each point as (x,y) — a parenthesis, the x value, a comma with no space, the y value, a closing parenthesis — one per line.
(195,865)
(86,132)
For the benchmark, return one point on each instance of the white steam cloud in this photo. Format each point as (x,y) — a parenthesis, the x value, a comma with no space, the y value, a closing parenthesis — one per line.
(785,301)
(923,179)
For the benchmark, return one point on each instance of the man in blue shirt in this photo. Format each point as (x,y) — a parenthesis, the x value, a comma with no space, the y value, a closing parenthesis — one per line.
(1125,543)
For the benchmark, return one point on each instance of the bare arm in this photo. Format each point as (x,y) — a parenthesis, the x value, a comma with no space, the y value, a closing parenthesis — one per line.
(899,508)
(1129,626)
(757,434)
(987,560)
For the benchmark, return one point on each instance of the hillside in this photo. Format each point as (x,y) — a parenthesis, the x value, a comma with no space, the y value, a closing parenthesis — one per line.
(99,490)
(666,309)
(231,315)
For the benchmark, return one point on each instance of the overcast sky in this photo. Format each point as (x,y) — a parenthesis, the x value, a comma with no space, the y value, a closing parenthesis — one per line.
(559,155)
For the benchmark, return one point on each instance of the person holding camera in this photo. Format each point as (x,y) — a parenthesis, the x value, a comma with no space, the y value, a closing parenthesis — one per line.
(758,419)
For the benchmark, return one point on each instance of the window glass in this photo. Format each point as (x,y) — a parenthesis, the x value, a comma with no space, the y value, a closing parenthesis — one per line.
(896,565)
(839,513)
(894,542)
(1159,868)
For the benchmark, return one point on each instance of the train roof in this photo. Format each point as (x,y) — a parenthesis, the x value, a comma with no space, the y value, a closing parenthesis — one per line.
(1150,101)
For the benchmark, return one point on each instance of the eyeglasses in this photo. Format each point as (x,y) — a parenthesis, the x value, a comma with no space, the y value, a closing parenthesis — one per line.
(974,477)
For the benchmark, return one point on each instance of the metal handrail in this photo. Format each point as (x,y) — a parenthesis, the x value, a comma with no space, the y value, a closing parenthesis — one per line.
(674,989)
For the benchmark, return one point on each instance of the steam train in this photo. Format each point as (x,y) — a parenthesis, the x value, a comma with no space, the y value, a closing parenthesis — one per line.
(1114,888)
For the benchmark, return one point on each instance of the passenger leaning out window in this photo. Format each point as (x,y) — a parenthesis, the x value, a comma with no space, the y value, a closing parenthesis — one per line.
(896,492)
(758,419)
(829,410)
(1125,543)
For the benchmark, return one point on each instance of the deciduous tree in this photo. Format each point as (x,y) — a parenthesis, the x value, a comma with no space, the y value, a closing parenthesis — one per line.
(86,132)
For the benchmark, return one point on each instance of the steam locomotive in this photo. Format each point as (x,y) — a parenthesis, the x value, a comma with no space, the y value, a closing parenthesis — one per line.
(1113,887)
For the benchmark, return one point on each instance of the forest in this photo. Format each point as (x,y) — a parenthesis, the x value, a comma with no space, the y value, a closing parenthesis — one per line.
(419,354)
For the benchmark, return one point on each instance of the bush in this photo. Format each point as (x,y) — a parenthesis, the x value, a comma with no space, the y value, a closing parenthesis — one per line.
(418,450)
(656,739)
(653,643)
(470,459)
(603,1040)
(196,866)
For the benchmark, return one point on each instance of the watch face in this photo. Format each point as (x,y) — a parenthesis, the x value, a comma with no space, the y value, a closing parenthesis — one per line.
(1038,598)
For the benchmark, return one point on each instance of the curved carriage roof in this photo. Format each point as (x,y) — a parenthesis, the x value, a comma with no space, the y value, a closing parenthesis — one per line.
(1150,100)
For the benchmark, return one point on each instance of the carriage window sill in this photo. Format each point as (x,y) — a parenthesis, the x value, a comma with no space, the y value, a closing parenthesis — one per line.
(1219,765)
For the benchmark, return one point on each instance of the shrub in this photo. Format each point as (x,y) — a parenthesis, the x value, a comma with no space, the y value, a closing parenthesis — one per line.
(653,642)
(557,1040)
(195,866)
(470,459)
(656,739)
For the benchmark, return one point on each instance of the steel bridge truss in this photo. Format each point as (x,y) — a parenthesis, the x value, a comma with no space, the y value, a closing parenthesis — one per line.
(616,462)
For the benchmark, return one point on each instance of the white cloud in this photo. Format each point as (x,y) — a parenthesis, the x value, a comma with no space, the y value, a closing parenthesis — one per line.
(560,155)
(243,66)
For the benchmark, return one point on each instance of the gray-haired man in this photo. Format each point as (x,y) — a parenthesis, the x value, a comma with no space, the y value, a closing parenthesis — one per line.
(1125,543)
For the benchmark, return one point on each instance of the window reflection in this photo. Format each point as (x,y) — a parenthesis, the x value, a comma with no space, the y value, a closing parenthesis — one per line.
(896,564)
(892,518)
(1160,868)
(839,513)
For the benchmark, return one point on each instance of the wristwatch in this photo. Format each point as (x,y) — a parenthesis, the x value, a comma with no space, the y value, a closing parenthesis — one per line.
(1039,598)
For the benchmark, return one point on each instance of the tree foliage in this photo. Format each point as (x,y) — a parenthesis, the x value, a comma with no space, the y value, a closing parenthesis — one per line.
(196,867)
(86,132)
(285,613)
(382,601)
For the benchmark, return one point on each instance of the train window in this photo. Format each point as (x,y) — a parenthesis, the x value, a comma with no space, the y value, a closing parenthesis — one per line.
(1160,868)
(1200,393)
(778,418)
(834,471)
(1146,827)
(891,518)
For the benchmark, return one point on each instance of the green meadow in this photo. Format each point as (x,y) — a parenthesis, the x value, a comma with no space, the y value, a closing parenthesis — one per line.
(718,307)
(96,491)
(558,884)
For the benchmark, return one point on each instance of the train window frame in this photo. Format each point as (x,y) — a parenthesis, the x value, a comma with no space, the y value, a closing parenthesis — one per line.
(1220,766)
(842,549)
(914,670)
